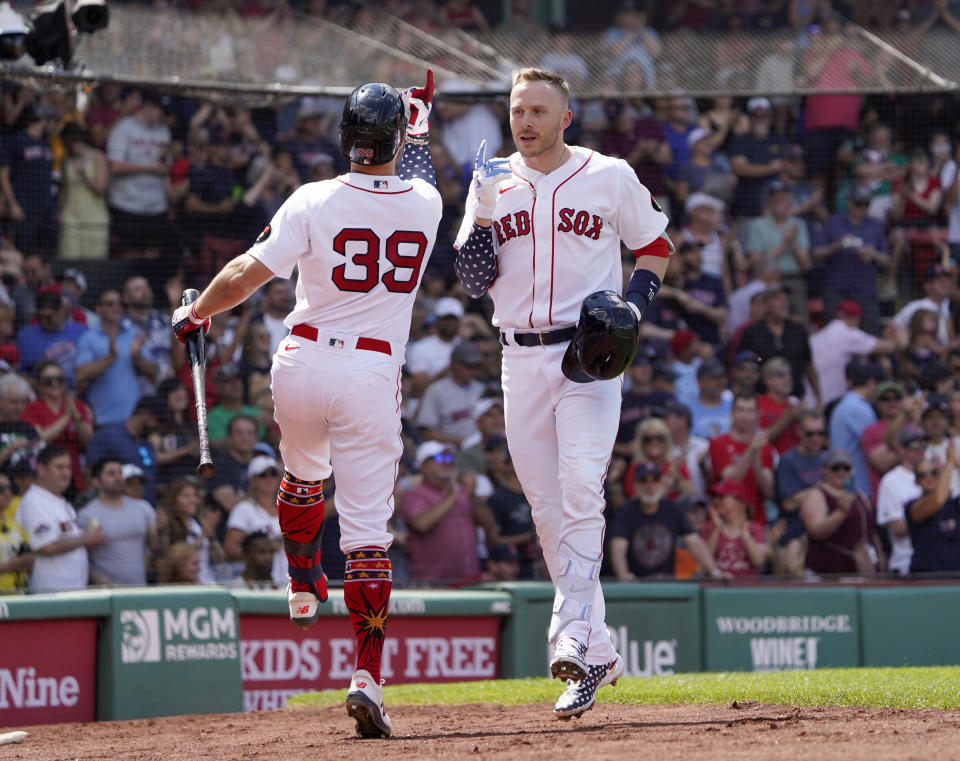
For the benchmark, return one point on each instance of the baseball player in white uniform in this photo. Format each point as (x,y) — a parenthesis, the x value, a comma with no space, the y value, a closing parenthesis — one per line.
(61,561)
(542,232)
(361,242)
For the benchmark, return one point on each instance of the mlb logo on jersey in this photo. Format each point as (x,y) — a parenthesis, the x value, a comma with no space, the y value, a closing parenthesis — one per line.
(380,184)
(336,343)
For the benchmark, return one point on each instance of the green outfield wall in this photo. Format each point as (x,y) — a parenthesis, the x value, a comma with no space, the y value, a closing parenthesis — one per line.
(656,627)
(132,653)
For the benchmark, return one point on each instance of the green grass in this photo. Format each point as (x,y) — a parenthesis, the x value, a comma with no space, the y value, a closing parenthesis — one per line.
(933,687)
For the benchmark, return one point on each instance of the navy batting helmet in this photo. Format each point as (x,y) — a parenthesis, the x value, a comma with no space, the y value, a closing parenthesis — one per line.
(605,341)
(372,124)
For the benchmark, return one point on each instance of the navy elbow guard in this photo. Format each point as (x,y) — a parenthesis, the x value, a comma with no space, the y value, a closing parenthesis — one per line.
(416,161)
(476,262)
(641,290)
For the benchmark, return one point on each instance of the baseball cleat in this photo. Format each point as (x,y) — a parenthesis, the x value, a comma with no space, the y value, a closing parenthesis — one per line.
(304,604)
(365,705)
(569,662)
(580,696)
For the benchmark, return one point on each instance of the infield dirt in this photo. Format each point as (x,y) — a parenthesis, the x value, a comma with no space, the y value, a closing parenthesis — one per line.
(745,732)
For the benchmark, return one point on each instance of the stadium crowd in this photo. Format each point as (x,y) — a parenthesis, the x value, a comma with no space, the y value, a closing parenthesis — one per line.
(790,409)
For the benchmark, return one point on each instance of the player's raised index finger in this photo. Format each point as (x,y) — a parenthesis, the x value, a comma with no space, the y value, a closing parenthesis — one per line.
(481,158)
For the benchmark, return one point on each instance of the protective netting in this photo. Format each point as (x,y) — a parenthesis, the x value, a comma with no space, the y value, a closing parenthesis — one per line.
(289,53)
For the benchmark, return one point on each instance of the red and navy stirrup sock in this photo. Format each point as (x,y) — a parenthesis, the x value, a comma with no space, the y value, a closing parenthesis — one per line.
(300,510)
(367,581)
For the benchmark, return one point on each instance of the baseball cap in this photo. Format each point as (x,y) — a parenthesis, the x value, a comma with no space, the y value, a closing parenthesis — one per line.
(447,307)
(646,354)
(152,404)
(861,194)
(757,103)
(697,134)
(263,447)
(154,98)
(889,386)
(936,402)
(849,308)
(729,487)
(467,353)
(645,469)
(226,372)
(859,370)
(485,405)
(909,434)
(676,407)
(48,296)
(778,186)
(429,449)
(261,464)
(935,270)
(746,356)
(662,369)
(711,368)
(129,470)
(837,457)
(75,276)
(691,501)
(682,340)
(702,199)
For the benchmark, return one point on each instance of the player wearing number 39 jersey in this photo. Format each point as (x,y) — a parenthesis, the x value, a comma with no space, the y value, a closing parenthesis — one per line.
(361,242)
(542,233)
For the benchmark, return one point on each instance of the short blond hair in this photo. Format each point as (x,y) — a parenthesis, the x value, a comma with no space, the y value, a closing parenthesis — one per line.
(532,74)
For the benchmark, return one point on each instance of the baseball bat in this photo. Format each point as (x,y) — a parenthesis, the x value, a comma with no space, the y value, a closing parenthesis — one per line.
(198,371)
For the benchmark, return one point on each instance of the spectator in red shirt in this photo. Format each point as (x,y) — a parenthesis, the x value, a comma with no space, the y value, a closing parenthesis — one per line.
(745,455)
(779,410)
(60,418)
(737,544)
(877,439)
(917,200)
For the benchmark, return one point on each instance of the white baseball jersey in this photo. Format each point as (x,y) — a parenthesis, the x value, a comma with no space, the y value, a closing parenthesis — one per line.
(361,256)
(46,518)
(557,236)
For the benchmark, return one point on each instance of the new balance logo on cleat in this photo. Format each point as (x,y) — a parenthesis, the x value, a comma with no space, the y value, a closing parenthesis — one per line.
(365,706)
(581,695)
(303,610)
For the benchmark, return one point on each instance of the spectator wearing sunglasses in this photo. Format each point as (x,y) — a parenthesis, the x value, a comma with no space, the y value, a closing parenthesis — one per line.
(933,519)
(798,471)
(60,418)
(644,532)
(442,518)
(258,512)
(898,487)
(654,443)
(839,522)
(853,248)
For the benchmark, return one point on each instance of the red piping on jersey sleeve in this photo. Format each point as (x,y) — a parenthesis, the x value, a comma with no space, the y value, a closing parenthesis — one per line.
(553,233)
(658,248)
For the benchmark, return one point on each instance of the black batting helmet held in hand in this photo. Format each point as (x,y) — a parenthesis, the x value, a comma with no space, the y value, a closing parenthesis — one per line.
(372,124)
(605,341)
